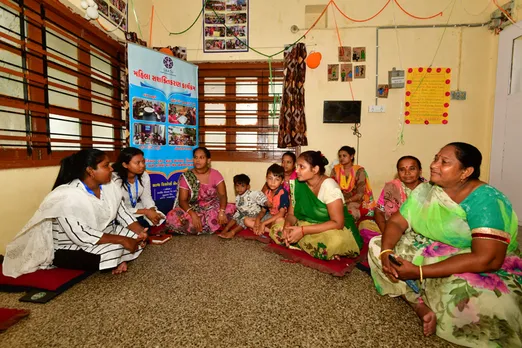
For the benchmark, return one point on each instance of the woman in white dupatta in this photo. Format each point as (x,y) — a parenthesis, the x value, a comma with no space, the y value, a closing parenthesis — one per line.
(75,226)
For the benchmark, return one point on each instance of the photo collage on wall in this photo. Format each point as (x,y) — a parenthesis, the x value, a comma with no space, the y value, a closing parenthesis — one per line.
(225,26)
(179,116)
(115,11)
(350,67)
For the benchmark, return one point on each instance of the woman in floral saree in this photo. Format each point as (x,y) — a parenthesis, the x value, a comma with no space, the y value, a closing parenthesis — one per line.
(201,206)
(460,250)
(317,221)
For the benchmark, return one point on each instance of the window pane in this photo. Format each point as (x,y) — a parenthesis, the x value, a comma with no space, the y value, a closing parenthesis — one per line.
(101,107)
(246,87)
(101,66)
(62,47)
(102,132)
(61,97)
(276,87)
(246,114)
(246,140)
(215,140)
(214,87)
(215,114)
(13,121)
(10,84)
(63,127)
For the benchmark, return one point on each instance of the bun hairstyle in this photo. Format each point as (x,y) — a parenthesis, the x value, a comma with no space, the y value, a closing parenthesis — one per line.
(469,156)
(315,158)
(75,166)
(126,156)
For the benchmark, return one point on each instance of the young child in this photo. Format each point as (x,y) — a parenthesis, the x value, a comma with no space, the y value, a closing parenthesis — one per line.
(288,163)
(278,201)
(248,204)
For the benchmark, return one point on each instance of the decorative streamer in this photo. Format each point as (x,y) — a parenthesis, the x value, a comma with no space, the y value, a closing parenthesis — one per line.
(361,20)
(151,22)
(136,18)
(341,45)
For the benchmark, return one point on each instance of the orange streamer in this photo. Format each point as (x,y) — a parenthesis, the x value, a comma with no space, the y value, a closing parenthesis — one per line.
(150,30)
(361,20)
(341,45)
(416,17)
(503,11)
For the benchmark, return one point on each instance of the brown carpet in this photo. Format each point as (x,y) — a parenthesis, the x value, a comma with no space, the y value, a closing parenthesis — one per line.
(208,292)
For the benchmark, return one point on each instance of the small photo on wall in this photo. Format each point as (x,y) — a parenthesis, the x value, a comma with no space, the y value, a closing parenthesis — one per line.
(234,44)
(214,45)
(333,72)
(360,71)
(382,91)
(236,5)
(346,72)
(216,5)
(211,18)
(359,54)
(215,31)
(345,53)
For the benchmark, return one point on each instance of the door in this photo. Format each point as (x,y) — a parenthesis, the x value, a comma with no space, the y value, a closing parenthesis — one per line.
(506,150)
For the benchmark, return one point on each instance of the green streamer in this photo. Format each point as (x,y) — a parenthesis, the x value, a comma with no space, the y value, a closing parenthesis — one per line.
(136,18)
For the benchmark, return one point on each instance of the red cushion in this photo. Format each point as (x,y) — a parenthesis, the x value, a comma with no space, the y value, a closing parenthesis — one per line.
(10,316)
(48,279)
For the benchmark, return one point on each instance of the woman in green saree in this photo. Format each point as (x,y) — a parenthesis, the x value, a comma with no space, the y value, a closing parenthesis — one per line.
(317,220)
(456,242)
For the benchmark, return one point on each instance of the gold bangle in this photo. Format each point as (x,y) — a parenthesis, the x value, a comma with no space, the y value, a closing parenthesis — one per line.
(420,270)
(385,251)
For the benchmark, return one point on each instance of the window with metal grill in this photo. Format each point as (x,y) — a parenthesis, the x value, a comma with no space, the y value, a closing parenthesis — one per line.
(239,110)
(60,85)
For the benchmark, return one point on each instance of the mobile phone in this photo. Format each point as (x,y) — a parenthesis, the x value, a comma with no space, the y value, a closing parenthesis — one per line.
(393,260)
(410,283)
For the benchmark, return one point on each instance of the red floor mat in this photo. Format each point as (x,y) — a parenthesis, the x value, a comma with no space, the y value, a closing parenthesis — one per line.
(336,268)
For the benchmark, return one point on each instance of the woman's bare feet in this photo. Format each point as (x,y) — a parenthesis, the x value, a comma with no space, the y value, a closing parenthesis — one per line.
(428,317)
(336,257)
(122,267)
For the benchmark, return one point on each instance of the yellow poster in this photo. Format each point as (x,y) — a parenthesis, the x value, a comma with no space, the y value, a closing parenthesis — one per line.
(427,96)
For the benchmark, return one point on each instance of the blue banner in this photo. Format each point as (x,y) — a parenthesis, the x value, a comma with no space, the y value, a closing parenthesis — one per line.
(163,114)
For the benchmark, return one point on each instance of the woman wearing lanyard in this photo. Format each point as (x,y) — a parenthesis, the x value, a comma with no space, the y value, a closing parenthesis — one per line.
(130,175)
(75,227)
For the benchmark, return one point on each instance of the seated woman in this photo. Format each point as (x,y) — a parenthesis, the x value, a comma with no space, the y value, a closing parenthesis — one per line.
(354,183)
(456,241)
(317,221)
(131,177)
(74,226)
(395,192)
(201,206)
